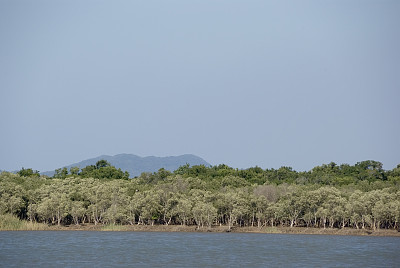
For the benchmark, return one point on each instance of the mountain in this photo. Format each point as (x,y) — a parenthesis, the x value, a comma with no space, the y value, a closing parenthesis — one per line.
(135,165)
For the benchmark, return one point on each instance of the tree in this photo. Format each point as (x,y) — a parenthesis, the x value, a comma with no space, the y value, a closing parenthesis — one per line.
(78,212)
(117,212)
(204,213)
(103,170)
(102,163)
(147,206)
(74,171)
(370,170)
(99,199)
(184,209)
(162,174)
(10,204)
(61,173)
(28,173)
(54,204)
(293,207)
(183,170)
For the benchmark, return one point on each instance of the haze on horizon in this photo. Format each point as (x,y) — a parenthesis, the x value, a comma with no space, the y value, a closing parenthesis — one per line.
(245,83)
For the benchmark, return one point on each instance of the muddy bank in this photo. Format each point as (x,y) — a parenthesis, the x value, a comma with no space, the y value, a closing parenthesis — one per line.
(223,229)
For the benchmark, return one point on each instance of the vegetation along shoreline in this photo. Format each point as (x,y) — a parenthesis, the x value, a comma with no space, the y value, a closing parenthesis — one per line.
(14,224)
(362,199)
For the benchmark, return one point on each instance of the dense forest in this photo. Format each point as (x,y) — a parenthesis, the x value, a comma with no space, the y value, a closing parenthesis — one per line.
(328,196)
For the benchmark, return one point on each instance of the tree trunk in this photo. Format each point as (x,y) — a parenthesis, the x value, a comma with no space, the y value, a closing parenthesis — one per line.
(58,218)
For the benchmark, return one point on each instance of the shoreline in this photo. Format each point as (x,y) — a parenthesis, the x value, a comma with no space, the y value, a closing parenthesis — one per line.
(224,229)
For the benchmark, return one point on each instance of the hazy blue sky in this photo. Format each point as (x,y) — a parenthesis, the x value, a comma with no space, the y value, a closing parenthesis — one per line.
(245,83)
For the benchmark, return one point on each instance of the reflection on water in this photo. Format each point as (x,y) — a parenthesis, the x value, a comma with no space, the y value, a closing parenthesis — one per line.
(128,249)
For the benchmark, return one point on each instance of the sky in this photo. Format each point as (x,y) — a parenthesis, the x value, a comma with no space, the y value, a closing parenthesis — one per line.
(244,83)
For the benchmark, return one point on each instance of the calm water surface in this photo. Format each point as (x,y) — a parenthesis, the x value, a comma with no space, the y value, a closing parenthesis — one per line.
(131,249)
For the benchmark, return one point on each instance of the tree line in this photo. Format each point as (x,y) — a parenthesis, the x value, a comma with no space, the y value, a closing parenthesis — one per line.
(328,196)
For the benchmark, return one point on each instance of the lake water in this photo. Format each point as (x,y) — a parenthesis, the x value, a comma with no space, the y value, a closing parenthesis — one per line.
(156,249)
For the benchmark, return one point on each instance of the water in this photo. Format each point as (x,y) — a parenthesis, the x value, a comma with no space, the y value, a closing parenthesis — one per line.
(131,249)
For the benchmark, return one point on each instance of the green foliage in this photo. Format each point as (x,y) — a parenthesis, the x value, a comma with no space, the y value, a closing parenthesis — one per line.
(102,163)
(74,171)
(102,170)
(28,173)
(370,170)
(61,173)
(328,196)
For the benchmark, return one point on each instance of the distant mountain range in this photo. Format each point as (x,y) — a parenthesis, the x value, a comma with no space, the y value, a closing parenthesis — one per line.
(135,165)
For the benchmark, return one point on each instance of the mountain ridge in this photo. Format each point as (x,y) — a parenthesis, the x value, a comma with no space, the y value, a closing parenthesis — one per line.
(136,165)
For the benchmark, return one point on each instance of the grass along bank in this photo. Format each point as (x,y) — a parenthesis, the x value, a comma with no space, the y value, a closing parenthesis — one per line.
(10,222)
